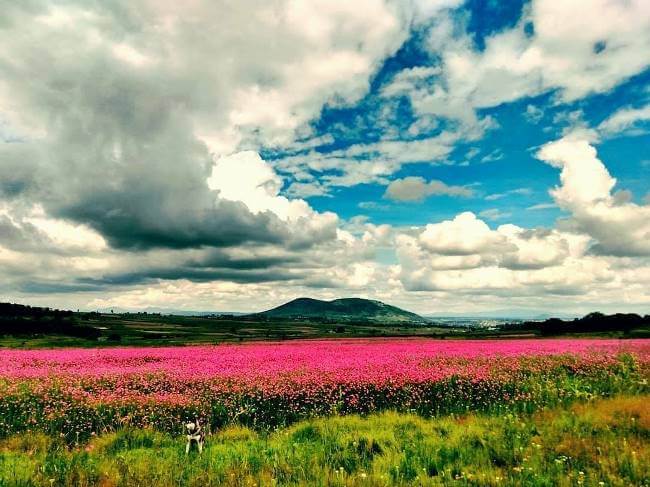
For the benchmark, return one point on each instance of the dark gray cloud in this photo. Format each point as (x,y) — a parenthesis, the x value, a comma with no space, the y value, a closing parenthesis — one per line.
(45,287)
(121,155)
(18,169)
(192,274)
(209,265)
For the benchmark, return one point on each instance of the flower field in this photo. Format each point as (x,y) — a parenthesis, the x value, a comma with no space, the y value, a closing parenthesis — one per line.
(79,393)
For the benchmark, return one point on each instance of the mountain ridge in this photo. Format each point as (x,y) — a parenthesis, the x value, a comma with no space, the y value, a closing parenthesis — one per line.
(342,309)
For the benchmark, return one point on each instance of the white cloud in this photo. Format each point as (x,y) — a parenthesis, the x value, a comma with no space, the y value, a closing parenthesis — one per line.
(494,214)
(465,255)
(619,227)
(516,191)
(415,188)
(372,205)
(542,206)
(306,190)
(533,114)
(585,179)
(464,235)
(570,37)
(625,120)
(259,189)
(577,49)
(410,78)
(375,162)
(495,155)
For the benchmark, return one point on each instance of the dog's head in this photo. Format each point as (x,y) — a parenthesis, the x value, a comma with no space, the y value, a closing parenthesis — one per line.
(191,427)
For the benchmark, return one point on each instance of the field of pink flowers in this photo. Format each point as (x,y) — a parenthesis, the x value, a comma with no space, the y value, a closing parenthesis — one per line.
(81,392)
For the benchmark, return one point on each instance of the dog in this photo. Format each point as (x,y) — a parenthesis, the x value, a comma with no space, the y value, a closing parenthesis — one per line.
(195,433)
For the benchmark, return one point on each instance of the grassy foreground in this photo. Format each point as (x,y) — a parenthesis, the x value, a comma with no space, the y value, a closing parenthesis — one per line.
(604,442)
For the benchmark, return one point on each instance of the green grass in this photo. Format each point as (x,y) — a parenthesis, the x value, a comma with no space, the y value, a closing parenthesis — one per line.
(600,441)
(139,329)
(157,330)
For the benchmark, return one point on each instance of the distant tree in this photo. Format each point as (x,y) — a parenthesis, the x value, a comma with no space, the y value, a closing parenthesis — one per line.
(114,337)
(16,319)
(590,323)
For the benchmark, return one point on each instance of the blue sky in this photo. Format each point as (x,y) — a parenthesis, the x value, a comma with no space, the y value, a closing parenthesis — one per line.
(521,179)
(447,156)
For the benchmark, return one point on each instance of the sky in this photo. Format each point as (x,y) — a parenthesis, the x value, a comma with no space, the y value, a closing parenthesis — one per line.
(439,155)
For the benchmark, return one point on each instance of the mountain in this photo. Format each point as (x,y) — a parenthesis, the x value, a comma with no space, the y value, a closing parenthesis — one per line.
(342,310)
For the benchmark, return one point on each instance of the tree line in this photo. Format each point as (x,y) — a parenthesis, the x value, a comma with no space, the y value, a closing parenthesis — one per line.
(21,320)
(592,323)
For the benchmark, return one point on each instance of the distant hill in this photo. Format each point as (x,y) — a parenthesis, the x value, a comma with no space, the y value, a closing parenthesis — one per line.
(350,310)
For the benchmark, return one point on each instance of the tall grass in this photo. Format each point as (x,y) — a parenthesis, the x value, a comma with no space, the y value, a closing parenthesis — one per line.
(603,442)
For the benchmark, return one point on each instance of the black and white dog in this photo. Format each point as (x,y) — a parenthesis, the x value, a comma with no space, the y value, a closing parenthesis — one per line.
(194,433)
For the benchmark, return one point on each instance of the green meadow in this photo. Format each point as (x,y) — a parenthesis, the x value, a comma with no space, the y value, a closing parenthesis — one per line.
(602,442)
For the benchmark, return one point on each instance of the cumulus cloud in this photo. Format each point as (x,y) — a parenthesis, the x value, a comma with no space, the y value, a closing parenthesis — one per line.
(590,254)
(414,188)
(465,254)
(464,235)
(618,226)
(259,190)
